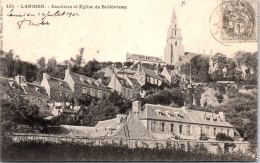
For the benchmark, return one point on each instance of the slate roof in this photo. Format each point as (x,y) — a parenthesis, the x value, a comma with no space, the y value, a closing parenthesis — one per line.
(88,82)
(151,73)
(103,128)
(134,81)
(55,84)
(144,58)
(190,116)
(150,112)
(126,71)
(197,117)
(5,84)
(31,89)
(124,82)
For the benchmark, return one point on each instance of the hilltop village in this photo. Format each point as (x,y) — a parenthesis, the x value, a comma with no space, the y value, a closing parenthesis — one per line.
(186,96)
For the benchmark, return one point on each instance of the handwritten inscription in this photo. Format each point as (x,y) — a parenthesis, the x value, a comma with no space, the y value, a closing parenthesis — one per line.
(43,16)
(30,23)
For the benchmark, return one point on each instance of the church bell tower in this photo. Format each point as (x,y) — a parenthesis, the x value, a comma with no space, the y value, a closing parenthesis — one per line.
(174,48)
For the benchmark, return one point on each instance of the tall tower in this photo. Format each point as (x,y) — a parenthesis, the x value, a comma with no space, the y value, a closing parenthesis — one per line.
(174,48)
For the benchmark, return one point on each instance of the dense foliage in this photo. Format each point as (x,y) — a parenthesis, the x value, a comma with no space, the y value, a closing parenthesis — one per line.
(95,110)
(38,151)
(223,137)
(15,110)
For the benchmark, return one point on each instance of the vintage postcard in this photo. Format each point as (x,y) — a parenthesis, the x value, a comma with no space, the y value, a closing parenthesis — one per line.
(129,80)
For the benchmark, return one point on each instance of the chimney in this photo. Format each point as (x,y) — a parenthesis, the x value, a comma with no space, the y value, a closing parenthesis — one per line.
(164,68)
(120,118)
(45,75)
(185,109)
(67,71)
(138,67)
(136,106)
(20,79)
(222,116)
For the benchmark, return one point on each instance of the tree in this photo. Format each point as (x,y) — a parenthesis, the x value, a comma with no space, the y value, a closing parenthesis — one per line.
(128,64)
(198,69)
(91,68)
(17,110)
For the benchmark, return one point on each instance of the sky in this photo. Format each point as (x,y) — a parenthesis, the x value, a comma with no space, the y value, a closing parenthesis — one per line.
(108,34)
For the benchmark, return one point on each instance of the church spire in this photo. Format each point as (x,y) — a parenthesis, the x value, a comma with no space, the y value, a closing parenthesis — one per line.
(174,19)
(174,48)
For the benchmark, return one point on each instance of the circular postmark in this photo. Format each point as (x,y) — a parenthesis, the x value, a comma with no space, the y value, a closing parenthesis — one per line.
(233,21)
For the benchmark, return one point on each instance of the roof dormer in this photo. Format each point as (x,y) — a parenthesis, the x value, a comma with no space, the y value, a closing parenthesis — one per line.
(81,78)
(89,81)
(159,112)
(61,84)
(177,114)
(169,114)
(11,84)
(37,89)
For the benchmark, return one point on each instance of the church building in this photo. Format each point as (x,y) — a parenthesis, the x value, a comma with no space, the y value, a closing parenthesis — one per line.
(174,47)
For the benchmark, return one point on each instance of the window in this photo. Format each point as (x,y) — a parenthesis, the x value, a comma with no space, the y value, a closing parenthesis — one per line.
(160,113)
(99,94)
(37,90)
(215,131)
(92,92)
(175,33)
(188,130)
(175,43)
(228,132)
(208,118)
(84,90)
(215,119)
(39,101)
(153,126)
(180,129)
(207,130)
(163,124)
(61,84)
(172,128)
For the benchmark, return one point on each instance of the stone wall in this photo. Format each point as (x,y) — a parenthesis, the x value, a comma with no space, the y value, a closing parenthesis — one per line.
(187,145)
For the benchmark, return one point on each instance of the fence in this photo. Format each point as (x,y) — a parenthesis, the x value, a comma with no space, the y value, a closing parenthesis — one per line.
(187,145)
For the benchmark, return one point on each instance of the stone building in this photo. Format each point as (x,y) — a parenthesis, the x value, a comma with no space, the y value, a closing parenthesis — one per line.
(165,122)
(36,94)
(137,58)
(123,126)
(123,87)
(145,75)
(171,76)
(174,47)
(60,94)
(82,85)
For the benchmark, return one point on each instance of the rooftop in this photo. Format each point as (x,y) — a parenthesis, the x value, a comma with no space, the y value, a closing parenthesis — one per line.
(86,81)
(159,112)
(144,58)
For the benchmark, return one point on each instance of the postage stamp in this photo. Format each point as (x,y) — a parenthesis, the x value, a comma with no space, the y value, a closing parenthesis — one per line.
(239,20)
(235,21)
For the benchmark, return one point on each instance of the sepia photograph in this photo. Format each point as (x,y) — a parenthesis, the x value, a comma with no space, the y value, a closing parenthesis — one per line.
(129,80)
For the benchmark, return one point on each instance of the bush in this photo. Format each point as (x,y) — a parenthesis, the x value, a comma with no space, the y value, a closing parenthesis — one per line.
(39,151)
(223,137)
